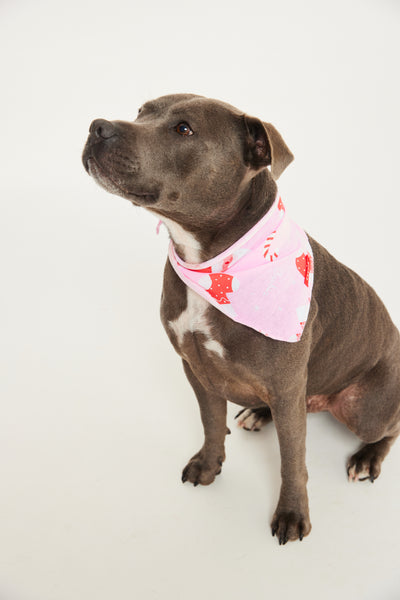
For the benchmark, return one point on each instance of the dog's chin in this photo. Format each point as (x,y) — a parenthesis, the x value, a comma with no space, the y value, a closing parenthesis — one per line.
(110,185)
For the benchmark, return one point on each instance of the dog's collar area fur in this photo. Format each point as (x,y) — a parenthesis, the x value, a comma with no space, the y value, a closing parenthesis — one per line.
(264,280)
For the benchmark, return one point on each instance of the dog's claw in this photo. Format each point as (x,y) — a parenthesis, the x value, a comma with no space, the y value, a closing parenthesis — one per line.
(301,533)
(240,412)
(195,483)
(283,539)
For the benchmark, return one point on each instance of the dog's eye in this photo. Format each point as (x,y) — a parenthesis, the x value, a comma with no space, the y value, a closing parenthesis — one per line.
(183,129)
(139,110)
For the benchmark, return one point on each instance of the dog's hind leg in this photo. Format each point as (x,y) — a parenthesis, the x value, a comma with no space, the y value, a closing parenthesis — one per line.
(252,419)
(371,410)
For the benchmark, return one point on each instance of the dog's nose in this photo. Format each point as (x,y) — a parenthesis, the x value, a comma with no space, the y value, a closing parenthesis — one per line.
(102,129)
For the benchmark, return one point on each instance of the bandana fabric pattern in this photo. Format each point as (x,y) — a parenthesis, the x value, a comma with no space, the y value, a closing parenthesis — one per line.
(264,280)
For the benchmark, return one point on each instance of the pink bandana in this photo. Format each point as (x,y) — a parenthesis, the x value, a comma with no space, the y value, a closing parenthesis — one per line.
(263,281)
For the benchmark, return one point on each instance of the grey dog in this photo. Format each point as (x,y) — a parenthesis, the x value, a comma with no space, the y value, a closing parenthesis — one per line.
(201,165)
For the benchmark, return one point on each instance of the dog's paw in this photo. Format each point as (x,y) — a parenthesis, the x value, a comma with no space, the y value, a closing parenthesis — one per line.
(290,526)
(252,419)
(202,470)
(364,465)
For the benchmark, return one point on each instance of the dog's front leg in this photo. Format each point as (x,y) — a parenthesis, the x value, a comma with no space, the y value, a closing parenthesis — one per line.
(206,464)
(291,520)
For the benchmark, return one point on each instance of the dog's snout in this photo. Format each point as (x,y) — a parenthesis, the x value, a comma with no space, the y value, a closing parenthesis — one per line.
(102,129)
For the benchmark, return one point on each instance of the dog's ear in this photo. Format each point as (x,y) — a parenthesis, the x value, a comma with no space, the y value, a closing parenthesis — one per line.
(265,146)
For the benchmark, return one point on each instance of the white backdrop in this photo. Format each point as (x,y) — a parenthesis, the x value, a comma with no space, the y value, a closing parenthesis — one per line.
(97,418)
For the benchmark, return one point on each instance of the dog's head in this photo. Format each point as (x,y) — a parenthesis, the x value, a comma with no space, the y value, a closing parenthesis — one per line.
(185,157)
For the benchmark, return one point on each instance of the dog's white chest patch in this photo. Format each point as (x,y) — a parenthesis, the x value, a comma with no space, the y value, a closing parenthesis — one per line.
(188,243)
(194,318)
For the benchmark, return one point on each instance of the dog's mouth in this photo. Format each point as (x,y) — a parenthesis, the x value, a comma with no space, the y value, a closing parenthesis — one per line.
(106,181)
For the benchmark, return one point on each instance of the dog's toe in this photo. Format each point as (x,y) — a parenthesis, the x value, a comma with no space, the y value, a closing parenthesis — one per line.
(252,419)
(290,526)
(202,470)
(365,464)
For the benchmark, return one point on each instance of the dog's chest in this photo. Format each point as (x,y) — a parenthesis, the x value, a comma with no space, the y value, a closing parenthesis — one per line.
(191,330)
(198,335)
(191,333)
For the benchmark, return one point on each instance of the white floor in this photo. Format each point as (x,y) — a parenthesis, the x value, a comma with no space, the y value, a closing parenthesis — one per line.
(97,419)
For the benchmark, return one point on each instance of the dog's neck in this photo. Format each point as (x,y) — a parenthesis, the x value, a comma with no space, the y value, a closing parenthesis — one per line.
(198,246)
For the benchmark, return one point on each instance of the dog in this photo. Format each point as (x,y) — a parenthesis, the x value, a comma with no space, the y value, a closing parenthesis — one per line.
(209,172)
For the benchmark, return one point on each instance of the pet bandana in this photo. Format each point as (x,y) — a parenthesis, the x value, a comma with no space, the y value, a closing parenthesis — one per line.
(264,280)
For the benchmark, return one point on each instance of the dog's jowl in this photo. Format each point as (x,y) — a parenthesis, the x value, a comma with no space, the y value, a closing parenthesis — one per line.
(260,313)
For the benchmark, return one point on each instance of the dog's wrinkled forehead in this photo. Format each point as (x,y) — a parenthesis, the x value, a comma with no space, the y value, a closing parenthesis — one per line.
(199,109)
(160,105)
